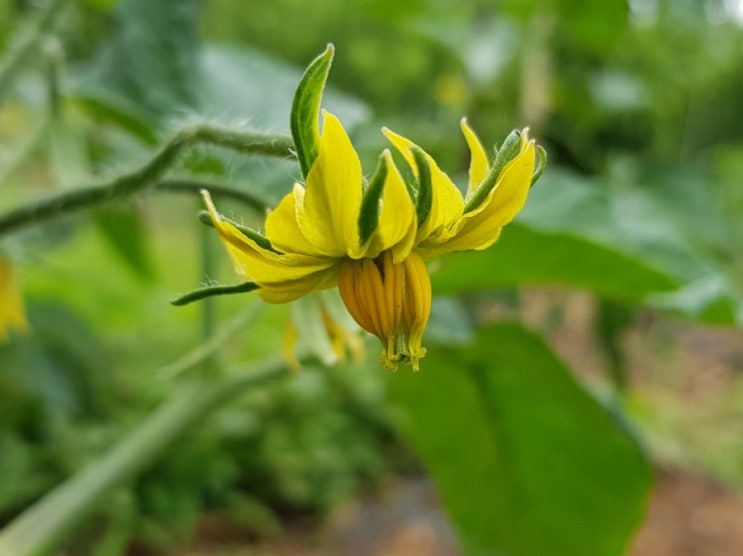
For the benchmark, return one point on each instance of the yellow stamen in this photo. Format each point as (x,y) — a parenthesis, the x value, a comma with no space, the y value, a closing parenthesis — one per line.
(390,300)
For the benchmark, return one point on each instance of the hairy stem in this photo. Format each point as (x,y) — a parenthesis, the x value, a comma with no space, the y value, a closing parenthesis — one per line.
(146,176)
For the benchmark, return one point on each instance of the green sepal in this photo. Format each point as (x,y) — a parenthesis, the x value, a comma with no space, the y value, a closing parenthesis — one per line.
(505,154)
(369,212)
(424,195)
(306,110)
(212,291)
(541,163)
(262,241)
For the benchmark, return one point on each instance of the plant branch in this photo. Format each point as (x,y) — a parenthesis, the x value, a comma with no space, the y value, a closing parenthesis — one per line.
(37,529)
(183,185)
(201,352)
(147,175)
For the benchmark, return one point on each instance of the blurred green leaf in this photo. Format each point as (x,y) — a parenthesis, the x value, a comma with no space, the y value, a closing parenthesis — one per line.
(124,230)
(111,108)
(709,300)
(624,220)
(246,83)
(151,59)
(450,324)
(527,256)
(591,24)
(105,4)
(62,362)
(527,463)
(674,225)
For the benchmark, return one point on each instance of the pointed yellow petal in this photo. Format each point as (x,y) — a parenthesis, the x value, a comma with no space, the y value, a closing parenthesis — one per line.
(403,145)
(282,228)
(282,277)
(481,227)
(474,235)
(479,165)
(512,188)
(447,204)
(397,221)
(446,209)
(328,214)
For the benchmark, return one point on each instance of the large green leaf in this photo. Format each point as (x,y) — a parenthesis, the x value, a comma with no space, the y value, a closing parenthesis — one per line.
(527,256)
(674,225)
(527,463)
(148,69)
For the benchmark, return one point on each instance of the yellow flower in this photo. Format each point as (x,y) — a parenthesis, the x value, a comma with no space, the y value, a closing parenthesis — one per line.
(12,316)
(371,238)
(318,237)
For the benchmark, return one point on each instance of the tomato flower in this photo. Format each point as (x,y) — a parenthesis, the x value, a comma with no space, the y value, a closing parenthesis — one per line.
(372,239)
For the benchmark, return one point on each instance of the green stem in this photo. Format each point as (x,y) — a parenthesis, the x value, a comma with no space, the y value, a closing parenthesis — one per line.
(208,306)
(202,352)
(24,47)
(184,185)
(36,530)
(146,176)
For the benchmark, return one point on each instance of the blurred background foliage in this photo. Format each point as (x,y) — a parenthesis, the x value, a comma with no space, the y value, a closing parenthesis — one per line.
(638,105)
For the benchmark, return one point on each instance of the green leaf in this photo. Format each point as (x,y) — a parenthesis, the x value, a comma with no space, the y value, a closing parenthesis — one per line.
(306,109)
(123,229)
(102,103)
(527,256)
(527,463)
(709,300)
(673,225)
(150,61)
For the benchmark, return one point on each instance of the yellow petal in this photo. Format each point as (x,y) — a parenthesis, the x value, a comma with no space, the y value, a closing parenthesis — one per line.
(12,315)
(282,277)
(447,204)
(512,187)
(479,165)
(481,227)
(329,211)
(282,228)
(475,235)
(397,221)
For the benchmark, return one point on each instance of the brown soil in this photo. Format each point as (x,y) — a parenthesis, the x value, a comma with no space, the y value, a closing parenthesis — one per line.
(688,515)
(691,516)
